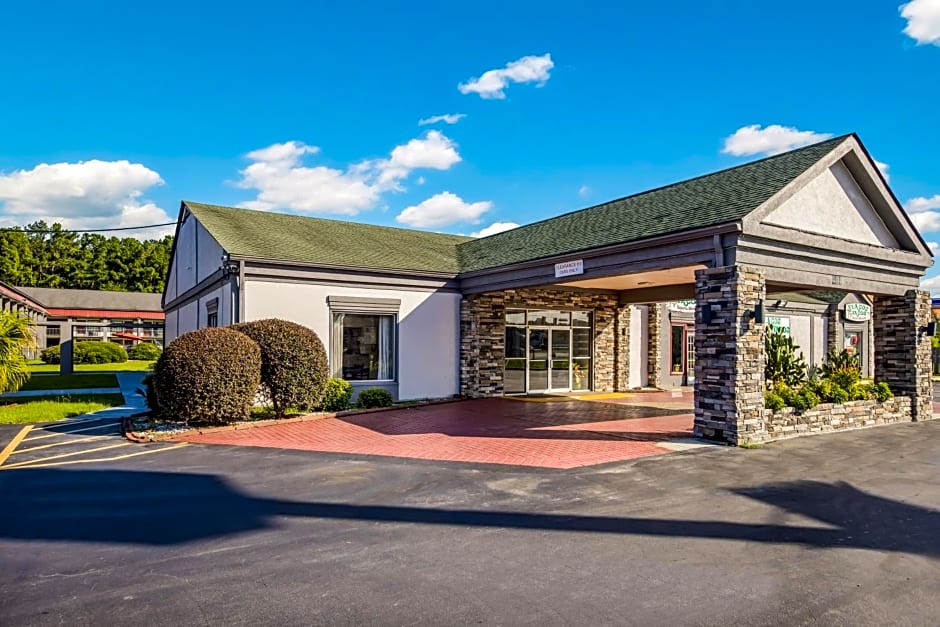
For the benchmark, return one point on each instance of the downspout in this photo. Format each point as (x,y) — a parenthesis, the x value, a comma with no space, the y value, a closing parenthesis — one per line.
(241,291)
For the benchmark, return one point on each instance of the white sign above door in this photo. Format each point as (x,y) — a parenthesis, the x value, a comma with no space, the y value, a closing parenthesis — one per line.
(569,268)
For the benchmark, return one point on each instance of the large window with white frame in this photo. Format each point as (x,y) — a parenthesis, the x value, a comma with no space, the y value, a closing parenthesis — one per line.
(363,346)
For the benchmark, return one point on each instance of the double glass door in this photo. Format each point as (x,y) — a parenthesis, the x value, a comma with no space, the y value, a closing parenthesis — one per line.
(549,360)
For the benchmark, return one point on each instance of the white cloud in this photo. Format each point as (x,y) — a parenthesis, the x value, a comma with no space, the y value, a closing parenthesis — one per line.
(584,191)
(925,213)
(83,195)
(491,83)
(933,246)
(883,167)
(493,229)
(771,140)
(447,118)
(923,21)
(282,180)
(931,283)
(443,209)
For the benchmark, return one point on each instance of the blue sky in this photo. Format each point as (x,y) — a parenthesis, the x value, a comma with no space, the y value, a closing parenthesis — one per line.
(111,113)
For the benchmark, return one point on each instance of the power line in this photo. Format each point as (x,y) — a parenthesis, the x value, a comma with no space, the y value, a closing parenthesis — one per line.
(52,231)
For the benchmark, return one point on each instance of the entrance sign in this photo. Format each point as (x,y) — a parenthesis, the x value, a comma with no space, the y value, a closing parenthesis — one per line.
(779,324)
(857,312)
(569,268)
(682,306)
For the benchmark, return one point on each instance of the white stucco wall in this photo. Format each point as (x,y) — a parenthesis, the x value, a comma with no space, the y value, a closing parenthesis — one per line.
(833,204)
(428,328)
(209,253)
(639,341)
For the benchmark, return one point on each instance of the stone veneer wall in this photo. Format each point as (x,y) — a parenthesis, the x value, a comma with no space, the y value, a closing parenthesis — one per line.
(902,348)
(622,348)
(654,358)
(786,423)
(483,336)
(729,351)
(833,325)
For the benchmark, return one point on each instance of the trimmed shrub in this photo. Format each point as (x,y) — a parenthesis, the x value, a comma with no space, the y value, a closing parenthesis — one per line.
(144,351)
(773,401)
(293,362)
(100,353)
(861,392)
(88,352)
(838,394)
(809,398)
(51,355)
(336,396)
(210,376)
(374,397)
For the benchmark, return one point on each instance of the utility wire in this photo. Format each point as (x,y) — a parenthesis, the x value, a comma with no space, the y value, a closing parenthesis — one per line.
(52,231)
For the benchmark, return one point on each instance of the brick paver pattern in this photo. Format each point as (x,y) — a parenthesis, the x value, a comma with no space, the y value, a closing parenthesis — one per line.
(558,434)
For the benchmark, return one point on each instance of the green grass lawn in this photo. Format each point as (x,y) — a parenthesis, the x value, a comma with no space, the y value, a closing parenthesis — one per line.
(70,381)
(37,366)
(51,408)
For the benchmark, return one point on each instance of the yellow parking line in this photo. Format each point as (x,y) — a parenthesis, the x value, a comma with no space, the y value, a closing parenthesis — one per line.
(52,435)
(8,449)
(72,454)
(27,465)
(88,439)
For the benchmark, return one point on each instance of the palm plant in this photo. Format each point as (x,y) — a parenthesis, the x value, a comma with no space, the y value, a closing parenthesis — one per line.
(16,336)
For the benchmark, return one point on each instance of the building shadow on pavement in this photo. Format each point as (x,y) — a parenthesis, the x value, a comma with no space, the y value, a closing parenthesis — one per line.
(162,508)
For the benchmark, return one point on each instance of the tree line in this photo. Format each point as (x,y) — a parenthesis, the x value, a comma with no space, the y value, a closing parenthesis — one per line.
(40,255)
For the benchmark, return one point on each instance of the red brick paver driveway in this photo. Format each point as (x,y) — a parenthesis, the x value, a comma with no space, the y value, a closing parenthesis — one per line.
(555,434)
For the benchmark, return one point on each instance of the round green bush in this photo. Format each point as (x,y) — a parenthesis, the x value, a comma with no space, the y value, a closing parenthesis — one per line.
(374,397)
(294,367)
(144,351)
(336,396)
(99,353)
(51,355)
(208,376)
(810,399)
(773,401)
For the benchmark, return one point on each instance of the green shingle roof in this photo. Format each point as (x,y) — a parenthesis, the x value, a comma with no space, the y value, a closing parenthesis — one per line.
(718,198)
(710,200)
(282,237)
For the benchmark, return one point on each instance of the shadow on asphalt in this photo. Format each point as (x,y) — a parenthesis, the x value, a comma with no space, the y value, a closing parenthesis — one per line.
(158,508)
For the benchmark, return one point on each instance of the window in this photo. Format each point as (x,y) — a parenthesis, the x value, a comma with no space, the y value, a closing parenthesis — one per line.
(363,346)
(676,363)
(212,313)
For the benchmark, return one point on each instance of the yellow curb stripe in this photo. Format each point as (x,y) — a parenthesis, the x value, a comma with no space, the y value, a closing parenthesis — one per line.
(52,435)
(8,449)
(88,439)
(27,466)
(72,454)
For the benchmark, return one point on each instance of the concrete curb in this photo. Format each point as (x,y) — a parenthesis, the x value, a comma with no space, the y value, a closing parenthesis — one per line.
(144,437)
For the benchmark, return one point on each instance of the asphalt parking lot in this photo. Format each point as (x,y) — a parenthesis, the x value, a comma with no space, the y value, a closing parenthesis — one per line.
(839,529)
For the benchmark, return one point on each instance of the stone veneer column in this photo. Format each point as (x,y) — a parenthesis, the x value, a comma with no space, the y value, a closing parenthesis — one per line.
(902,348)
(622,348)
(833,342)
(654,356)
(729,355)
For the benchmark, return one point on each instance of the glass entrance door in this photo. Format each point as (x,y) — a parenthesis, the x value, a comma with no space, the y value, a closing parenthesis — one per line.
(549,367)
(561,360)
(538,360)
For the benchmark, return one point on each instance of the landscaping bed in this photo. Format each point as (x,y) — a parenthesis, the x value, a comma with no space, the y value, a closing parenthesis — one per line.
(53,408)
(788,422)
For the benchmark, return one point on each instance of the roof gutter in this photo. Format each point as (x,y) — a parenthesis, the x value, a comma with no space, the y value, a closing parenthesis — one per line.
(588,253)
(430,274)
